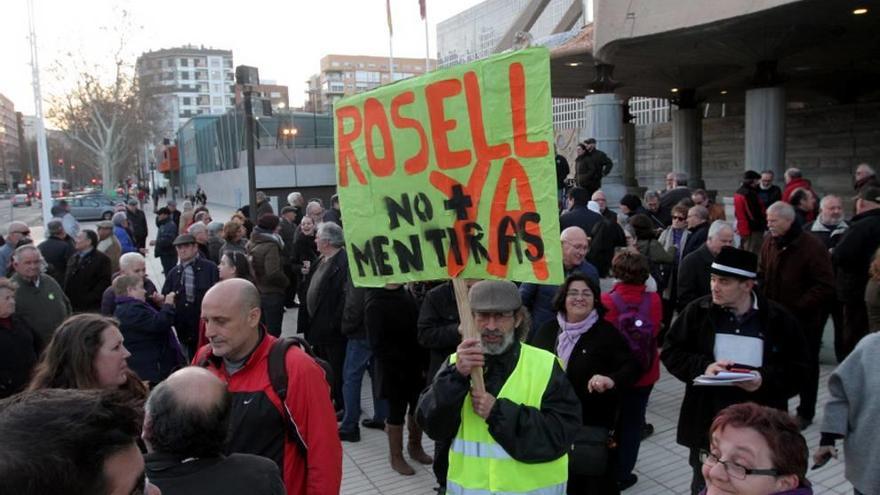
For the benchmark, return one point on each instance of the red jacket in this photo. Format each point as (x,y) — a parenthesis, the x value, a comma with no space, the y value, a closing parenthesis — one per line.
(633,294)
(795,184)
(258,419)
(743,214)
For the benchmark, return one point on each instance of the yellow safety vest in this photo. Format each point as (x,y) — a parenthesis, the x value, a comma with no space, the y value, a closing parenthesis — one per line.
(479,466)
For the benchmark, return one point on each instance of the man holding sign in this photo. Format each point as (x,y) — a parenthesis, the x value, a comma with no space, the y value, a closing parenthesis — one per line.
(514,435)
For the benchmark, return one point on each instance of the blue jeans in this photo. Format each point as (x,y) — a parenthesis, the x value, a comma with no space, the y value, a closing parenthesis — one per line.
(358,358)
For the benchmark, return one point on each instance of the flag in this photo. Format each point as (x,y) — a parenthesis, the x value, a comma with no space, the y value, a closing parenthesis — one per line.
(422,9)
(388,9)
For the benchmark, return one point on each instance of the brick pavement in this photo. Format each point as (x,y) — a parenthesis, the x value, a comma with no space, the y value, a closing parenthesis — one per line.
(662,466)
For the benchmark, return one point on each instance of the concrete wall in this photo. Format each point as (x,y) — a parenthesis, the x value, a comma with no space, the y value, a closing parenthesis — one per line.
(826,143)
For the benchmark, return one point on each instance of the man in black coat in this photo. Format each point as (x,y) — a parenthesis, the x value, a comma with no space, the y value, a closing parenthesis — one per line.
(693,273)
(57,250)
(190,280)
(333,214)
(578,215)
(851,258)
(88,274)
(288,234)
(164,243)
(185,428)
(677,190)
(325,298)
(591,165)
(698,229)
(732,328)
(137,221)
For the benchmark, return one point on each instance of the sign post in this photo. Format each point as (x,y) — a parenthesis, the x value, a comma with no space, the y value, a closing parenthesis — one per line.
(451,175)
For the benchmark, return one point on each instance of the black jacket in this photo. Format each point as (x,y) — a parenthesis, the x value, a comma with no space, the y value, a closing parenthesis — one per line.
(526,433)
(333,215)
(137,221)
(288,234)
(325,319)
(438,325)
(591,167)
(148,335)
(20,348)
(221,475)
(580,216)
(688,350)
(165,238)
(86,280)
(353,313)
(693,276)
(562,171)
(390,318)
(606,236)
(56,252)
(186,314)
(601,350)
(696,238)
(671,198)
(852,255)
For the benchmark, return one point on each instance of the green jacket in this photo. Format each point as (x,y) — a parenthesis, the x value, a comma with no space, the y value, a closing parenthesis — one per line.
(43,307)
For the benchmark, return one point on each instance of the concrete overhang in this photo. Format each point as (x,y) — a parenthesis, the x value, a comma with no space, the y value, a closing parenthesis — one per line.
(571,63)
(823,52)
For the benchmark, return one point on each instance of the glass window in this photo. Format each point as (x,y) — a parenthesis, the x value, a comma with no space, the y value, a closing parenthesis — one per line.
(187,100)
(215,74)
(217,100)
(184,62)
(184,75)
(215,62)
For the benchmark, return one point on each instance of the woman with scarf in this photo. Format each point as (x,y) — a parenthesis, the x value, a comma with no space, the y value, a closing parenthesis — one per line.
(155,351)
(265,250)
(631,271)
(597,361)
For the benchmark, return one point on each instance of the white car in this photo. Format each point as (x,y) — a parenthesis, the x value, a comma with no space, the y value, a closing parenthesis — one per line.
(21,200)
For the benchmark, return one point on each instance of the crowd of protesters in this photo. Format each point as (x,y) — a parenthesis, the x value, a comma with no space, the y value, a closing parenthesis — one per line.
(190,387)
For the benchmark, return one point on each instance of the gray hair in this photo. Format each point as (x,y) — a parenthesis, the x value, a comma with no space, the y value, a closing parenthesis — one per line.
(293,198)
(187,205)
(119,218)
(55,227)
(681,179)
(828,197)
(649,195)
(332,233)
(867,168)
(794,173)
(197,228)
(260,195)
(700,211)
(768,171)
(20,250)
(782,209)
(717,226)
(16,224)
(215,227)
(127,260)
(312,205)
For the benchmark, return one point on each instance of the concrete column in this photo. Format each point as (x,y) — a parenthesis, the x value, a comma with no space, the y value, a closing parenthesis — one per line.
(629,156)
(687,145)
(603,120)
(765,129)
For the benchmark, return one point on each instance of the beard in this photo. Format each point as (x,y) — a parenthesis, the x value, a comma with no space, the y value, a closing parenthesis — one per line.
(496,348)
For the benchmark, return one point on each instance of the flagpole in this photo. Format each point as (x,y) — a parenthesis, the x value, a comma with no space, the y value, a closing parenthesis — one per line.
(390,42)
(427,47)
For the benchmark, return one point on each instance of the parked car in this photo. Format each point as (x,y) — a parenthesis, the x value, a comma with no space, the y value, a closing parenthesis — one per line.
(89,207)
(21,200)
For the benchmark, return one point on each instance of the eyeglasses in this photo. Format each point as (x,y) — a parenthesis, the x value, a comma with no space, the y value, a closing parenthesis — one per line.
(583,293)
(733,469)
(26,232)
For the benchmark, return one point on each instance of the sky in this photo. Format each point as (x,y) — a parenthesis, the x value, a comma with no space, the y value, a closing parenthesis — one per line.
(285,39)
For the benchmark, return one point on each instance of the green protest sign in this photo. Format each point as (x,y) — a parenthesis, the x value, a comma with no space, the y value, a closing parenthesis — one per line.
(452,174)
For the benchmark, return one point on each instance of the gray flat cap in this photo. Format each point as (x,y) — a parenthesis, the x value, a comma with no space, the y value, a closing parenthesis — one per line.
(494,295)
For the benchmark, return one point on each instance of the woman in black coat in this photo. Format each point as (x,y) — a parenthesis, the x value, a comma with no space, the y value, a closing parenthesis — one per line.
(391,317)
(155,351)
(305,252)
(597,361)
(20,345)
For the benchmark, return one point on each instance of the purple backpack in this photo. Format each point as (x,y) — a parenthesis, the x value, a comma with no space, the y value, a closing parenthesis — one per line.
(634,323)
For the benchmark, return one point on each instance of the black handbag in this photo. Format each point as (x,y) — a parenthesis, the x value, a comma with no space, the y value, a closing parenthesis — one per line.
(588,454)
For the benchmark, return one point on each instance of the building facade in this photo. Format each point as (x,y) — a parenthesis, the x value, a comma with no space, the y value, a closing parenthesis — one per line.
(10,148)
(187,81)
(276,94)
(343,75)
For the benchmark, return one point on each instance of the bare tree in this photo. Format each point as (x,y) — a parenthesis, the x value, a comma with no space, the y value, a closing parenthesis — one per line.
(109,117)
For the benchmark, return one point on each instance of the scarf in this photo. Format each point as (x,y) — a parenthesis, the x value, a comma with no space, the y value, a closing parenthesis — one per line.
(570,333)
(784,240)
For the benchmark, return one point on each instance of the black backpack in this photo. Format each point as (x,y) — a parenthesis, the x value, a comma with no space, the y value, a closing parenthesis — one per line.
(278,379)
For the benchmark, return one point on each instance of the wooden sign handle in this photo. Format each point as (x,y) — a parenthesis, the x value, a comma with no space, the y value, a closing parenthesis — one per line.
(469,327)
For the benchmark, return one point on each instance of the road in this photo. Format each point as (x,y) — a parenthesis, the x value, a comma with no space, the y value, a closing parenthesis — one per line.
(31,215)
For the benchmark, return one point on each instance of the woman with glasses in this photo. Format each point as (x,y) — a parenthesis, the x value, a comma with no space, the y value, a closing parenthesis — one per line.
(674,237)
(597,361)
(755,450)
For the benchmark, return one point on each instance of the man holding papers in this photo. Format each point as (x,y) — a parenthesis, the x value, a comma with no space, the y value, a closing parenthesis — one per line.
(733,330)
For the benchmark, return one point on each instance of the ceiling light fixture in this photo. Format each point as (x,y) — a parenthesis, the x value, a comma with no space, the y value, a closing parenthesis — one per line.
(573,64)
(724,91)
(860,11)
(674,90)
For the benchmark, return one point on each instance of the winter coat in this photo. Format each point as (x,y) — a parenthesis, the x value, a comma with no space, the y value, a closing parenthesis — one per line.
(215,244)
(288,233)
(671,198)
(526,433)
(688,350)
(800,183)
(137,221)
(667,240)
(601,350)
(86,279)
(149,338)
(110,246)
(606,236)
(390,318)
(438,325)
(56,252)
(187,314)
(770,195)
(853,253)
(590,167)
(20,348)
(696,237)
(125,240)
(220,475)
(165,239)
(749,211)
(803,263)
(632,294)
(264,249)
(43,307)
(325,318)
(829,238)
(580,216)
(108,299)
(693,276)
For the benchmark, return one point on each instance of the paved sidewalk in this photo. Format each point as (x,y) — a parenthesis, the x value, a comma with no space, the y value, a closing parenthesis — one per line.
(662,467)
